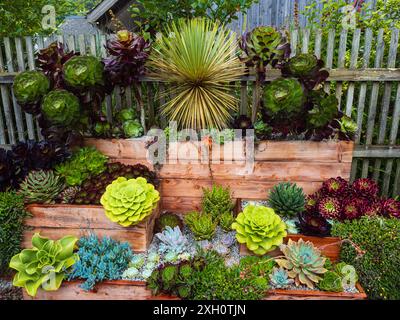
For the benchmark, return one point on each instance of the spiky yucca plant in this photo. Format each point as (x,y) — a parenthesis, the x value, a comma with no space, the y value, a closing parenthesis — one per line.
(41,187)
(287,199)
(198,57)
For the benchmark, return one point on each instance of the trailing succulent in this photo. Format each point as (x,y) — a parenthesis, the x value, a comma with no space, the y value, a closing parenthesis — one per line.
(287,199)
(12,215)
(86,162)
(217,201)
(202,225)
(41,187)
(100,259)
(93,188)
(128,202)
(167,219)
(303,262)
(172,240)
(260,228)
(45,265)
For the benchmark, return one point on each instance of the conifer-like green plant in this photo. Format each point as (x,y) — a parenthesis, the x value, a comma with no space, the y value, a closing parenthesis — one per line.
(201,224)
(217,201)
(199,57)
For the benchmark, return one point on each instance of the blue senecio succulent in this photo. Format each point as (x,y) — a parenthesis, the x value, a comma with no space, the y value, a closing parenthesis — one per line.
(172,241)
(100,260)
(280,278)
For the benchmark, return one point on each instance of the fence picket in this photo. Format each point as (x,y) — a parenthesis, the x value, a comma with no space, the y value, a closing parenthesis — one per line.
(305,40)
(329,54)
(353,64)
(293,42)
(380,47)
(341,64)
(318,41)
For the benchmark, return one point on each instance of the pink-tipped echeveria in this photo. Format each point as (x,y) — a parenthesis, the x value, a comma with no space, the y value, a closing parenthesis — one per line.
(260,228)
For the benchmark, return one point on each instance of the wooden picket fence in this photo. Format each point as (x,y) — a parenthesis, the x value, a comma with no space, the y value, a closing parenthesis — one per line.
(364,74)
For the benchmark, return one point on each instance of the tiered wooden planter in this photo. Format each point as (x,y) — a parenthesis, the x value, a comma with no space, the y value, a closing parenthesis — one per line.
(137,290)
(57,221)
(182,179)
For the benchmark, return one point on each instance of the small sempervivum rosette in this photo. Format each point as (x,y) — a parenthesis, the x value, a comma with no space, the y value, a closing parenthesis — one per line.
(260,228)
(129,202)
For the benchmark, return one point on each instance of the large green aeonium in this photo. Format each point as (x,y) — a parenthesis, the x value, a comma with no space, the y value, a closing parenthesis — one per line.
(260,228)
(61,107)
(84,71)
(45,264)
(30,86)
(128,202)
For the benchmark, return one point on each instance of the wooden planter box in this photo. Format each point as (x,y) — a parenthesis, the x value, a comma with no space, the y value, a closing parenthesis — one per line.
(195,165)
(57,221)
(329,246)
(137,290)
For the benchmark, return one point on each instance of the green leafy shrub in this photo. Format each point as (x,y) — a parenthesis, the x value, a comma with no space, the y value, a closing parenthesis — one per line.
(41,187)
(44,265)
(201,224)
(303,261)
(217,201)
(30,86)
(260,228)
(287,199)
(85,163)
(12,214)
(83,71)
(100,259)
(61,107)
(128,202)
(284,98)
(377,257)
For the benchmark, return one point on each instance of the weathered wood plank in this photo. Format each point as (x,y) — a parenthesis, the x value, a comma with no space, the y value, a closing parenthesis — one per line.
(330,54)
(353,65)
(181,204)
(341,64)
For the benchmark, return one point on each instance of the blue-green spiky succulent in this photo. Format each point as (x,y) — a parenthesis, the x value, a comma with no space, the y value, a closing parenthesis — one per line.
(280,278)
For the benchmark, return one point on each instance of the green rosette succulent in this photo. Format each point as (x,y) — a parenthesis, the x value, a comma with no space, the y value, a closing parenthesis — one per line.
(133,129)
(128,202)
(303,262)
(45,264)
(302,65)
(260,228)
(61,107)
(30,86)
(84,71)
(202,225)
(284,97)
(325,109)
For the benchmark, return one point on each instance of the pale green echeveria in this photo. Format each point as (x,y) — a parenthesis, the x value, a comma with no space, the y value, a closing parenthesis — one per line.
(284,97)
(129,202)
(30,86)
(61,107)
(84,71)
(260,228)
(45,264)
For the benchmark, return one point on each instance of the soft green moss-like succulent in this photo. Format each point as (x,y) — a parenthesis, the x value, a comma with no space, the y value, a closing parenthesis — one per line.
(41,187)
(284,97)
(128,202)
(61,107)
(287,199)
(83,71)
(303,262)
(201,224)
(45,264)
(30,86)
(260,228)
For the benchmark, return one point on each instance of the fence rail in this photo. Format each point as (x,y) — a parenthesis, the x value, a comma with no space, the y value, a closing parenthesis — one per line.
(364,75)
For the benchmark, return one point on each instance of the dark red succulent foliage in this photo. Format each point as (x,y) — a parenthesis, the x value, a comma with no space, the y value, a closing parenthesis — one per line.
(6,169)
(366,187)
(351,209)
(128,55)
(51,61)
(330,208)
(92,189)
(335,186)
(312,202)
(391,208)
(313,225)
